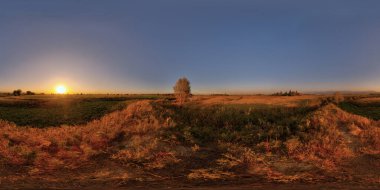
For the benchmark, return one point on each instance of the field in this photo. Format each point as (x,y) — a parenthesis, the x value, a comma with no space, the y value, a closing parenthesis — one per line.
(56,110)
(150,141)
(368,107)
(287,101)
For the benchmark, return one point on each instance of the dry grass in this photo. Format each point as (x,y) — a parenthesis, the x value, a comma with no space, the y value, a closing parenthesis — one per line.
(369,100)
(133,144)
(130,133)
(335,136)
(209,174)
(291,101)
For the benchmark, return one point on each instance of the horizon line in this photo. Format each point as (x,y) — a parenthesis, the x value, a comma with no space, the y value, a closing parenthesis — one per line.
(315,92)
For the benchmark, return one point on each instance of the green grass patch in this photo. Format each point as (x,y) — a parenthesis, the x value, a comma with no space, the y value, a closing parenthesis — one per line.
(44,111)
(242,124)
(369,110)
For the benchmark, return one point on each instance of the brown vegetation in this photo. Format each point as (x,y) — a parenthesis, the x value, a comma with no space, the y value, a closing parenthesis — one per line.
(131,130)
(338,97)
(335,138)
(134,145)
(289,101)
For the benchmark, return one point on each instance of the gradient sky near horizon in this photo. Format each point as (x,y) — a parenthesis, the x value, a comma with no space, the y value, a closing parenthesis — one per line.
(141,46)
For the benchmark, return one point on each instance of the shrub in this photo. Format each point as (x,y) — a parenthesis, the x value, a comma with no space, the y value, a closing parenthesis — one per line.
(17,92)
(182,90)
(338,98)
(30,93)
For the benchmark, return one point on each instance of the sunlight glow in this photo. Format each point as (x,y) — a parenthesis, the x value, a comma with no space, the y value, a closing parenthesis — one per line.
(60,89)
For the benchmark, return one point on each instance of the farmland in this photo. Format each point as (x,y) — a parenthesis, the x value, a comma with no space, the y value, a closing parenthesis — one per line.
(147,138)
(367,107)
(56,110)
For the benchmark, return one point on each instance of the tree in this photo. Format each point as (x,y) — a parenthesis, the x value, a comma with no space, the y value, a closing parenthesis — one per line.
(289,93)
(30,93)
(17,92)
(182,90)
(338,97)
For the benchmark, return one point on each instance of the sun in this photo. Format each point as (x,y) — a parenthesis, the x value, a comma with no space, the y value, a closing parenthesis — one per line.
(60,89)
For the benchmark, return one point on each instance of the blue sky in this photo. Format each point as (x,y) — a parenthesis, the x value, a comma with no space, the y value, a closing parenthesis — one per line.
(220,45)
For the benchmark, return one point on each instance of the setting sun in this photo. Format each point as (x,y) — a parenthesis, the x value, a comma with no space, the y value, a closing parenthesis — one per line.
(60,89)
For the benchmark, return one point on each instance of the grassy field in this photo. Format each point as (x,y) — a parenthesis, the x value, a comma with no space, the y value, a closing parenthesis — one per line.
(245,124)
(367,107)
(56,110)
(254,138)
(288,101)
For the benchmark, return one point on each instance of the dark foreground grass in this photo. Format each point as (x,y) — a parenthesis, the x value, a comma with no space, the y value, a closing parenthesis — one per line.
(369,110)
(43,111)
(246,124)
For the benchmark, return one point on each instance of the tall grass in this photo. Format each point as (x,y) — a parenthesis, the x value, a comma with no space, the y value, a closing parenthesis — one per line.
(245,125)
(166,141)
(67,147)
(41,111)
(370,110)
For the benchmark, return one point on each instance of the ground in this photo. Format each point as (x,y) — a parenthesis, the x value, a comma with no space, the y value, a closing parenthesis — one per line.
(212,142)
(258,100)
(56,110)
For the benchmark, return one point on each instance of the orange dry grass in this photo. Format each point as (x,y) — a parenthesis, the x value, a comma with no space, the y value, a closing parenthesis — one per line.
(133,138)
(335,136)
(71,146)
(369,100)
(290,101)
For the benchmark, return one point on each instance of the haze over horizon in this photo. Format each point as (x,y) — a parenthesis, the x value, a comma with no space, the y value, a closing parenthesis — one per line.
(222,46)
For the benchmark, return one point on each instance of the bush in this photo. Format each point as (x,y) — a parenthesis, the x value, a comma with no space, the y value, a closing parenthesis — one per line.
(17,92)
(30,93)
(182,90)
(338,98)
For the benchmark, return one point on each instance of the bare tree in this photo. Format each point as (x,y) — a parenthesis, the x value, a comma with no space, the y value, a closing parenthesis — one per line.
(338,97)
(182,90)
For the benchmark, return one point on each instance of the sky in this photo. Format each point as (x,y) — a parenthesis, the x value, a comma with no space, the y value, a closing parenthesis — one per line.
(221,46)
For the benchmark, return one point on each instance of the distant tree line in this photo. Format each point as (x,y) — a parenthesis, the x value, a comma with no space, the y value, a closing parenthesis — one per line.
(18,92)
(289,93)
